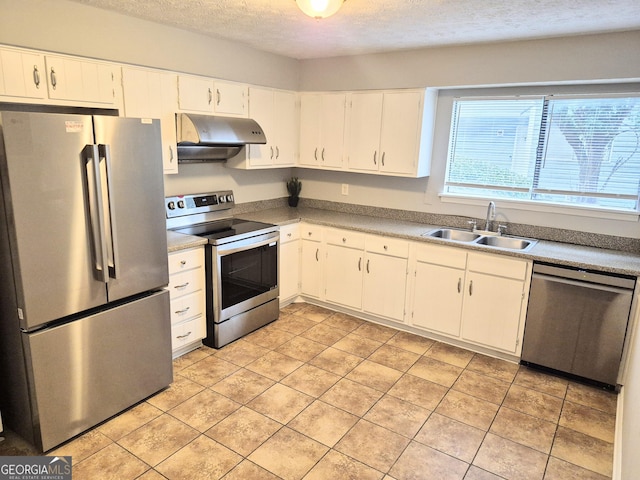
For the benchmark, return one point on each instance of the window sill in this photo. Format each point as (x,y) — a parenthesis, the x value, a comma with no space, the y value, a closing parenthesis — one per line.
(543,207)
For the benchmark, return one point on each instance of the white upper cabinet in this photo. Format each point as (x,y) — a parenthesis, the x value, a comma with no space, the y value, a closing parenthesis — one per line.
(22,74)
(153,94)
(277,113)
(195,94)
(80,80)
(231,99)
(206,95)
(322,123)
(390,132)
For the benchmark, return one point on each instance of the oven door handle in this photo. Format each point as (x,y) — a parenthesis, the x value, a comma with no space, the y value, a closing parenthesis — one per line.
(248,243)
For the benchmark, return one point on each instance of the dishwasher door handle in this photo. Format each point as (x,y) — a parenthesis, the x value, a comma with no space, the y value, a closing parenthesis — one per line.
(580,284)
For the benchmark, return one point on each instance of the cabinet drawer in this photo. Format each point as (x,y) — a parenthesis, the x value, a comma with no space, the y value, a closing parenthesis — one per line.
(187,307)
(311,232)
(345,238)
(388,246)
(186,282)
(188,332)
(289,233)
(185,260)
(445,256)
(498,265)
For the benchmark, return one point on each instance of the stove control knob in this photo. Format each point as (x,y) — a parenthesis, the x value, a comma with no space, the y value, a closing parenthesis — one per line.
(171,205)
(229,198)
(222,199)
(180,203)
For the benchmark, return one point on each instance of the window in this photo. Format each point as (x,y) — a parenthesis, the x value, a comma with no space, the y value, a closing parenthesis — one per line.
(578,150)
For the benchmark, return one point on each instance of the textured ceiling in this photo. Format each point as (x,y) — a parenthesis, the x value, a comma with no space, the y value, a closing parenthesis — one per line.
(367,26)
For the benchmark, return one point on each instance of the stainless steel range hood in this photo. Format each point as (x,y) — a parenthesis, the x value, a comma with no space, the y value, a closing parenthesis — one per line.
(210,138)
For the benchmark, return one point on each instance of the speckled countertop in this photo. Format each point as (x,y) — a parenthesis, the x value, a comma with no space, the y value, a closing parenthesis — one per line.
(593,258)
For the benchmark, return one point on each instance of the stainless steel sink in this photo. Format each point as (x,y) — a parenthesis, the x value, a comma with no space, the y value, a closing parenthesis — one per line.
(488,239)
(453,234)
(511,243)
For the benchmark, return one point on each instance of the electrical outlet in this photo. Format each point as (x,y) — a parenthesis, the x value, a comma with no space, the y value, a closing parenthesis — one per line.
(345,189)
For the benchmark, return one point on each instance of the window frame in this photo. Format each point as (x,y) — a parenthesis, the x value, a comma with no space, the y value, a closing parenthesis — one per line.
(558,91)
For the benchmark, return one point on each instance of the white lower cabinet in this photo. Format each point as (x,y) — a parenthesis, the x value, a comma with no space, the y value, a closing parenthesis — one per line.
(289,261)
(187,293)
(495,301)
(311,260)
(474,297)
(385,277)
(344,267)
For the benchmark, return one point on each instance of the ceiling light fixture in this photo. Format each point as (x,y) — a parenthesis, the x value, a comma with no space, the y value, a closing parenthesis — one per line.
(319,8)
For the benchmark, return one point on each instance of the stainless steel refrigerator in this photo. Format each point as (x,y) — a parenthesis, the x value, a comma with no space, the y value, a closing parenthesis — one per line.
(84,319)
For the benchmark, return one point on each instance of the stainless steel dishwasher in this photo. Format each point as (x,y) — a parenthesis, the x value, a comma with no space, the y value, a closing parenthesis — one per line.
(577,321)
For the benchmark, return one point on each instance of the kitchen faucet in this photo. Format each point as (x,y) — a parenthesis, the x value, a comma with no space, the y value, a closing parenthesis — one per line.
(491,214)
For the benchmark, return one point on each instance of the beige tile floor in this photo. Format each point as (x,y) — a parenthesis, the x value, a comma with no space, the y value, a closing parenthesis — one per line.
(321,395)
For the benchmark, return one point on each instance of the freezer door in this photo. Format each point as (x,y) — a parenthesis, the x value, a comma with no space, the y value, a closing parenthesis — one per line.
(88,370)
(46,193)
(130,153)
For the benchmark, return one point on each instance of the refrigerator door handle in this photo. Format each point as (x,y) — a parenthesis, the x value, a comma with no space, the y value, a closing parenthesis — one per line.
(96,212)
(110,217)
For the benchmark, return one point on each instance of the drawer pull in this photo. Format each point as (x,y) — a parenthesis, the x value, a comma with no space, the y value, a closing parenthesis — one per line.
(183,336)
(183,262)
(180,312)
(184,285)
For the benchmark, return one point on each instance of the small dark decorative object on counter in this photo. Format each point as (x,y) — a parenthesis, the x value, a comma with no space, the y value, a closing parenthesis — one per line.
(294,186)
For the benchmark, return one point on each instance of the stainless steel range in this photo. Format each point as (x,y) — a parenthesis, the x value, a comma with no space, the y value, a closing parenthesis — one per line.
(241,263)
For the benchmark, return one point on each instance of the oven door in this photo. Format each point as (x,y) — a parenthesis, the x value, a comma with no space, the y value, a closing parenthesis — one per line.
(243,275)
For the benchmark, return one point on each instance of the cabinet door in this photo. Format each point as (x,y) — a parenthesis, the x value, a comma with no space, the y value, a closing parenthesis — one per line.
(343,276)
(385,284)
(70,79)
(491,311)
(399,139)
(195,94)
(289,269)
(437,299)
(169,107)
(22,74)
(310,121)
(261,109)
(311,261)
(364,131)
(286,120)
(230,99)
(332,130)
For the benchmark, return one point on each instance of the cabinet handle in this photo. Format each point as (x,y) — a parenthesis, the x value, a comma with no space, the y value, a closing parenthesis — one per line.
(459,284)
(367,265)
(217,96)
(180,312)
(36,76)
(210,95)
(322,154)
(277,152)
(382,159)
(184,336)
(310,233)
(317,253)
(470,287)
(170,154)
(385,248)
(344,240)
(184,285)
(271,153)
(375,154)
(360,264)
(54,80)
(289,234)
(183,263)
(315,154)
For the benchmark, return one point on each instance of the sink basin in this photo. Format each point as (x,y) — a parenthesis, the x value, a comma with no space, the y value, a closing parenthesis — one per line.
(511,243)
(453,234)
